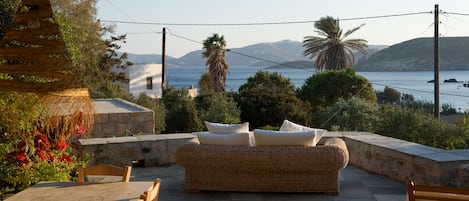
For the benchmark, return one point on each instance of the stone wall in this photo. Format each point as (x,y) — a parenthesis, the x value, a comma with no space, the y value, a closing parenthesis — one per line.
(407,161)
(142,150)
(117,117)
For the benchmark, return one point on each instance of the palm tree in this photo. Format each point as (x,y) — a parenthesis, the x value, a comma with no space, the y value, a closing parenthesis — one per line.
(216,63)
(332,52)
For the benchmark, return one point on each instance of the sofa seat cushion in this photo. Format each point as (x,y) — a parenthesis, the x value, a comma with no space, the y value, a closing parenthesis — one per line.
(224,139)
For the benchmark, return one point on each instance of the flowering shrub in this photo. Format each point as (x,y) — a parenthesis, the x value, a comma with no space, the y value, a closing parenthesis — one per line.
(35,149)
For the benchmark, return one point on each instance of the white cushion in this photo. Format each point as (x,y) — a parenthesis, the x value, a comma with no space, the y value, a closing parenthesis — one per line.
(224,139)
(290,126)
(227,128)
(288,138)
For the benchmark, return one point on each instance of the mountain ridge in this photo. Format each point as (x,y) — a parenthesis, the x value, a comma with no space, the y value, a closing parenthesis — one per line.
(412,55)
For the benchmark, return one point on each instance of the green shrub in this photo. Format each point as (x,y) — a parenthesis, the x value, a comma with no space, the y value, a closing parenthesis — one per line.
(260,109)
(354,114)
(389,96)
(218,107)
(34,146)
(158,108)
(268,99)
(181,112)
(268,81)
(401,123)
(206,85)
(325,88)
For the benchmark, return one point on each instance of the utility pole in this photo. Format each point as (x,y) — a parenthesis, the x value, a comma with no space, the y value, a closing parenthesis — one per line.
(437,63)
(163,62)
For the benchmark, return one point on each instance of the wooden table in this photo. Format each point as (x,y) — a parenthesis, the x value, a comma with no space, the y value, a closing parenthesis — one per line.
(72,191)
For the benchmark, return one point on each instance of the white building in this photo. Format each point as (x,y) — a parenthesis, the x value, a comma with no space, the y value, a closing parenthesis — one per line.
(145,78)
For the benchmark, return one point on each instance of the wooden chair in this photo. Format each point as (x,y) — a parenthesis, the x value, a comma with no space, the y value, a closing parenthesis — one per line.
(434,193)
(151,194)
(108,170)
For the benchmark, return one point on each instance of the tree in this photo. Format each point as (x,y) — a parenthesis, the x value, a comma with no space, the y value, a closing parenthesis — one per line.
(206,85)
(93,57)
(266,81)
(268,99)
(181,111)
(332,51)
(216,62)
(218,107)
(389,96)
(325,88)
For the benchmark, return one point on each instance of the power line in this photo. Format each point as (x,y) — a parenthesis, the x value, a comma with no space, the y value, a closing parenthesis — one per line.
(238,53)
(262,23)
(423,91)
(453,13)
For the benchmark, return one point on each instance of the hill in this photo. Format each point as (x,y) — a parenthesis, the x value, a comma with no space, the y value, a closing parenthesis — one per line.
(253,55)
(261,54)
(417,54)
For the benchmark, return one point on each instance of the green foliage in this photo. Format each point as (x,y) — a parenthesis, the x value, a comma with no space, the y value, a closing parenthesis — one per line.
(354,114)
(389,96)
(268,99)
(401,123)
(332,51)
(158,108)
(447,109)
(267,81)
(206,85)
(110,89)
(218,107)
(325,88)
(7,10)
(94,57)
(181,113)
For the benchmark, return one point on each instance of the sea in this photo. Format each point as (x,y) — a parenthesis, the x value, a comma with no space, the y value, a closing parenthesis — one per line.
(409,82)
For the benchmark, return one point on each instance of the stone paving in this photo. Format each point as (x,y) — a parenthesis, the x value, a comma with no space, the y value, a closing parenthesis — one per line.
(355,185)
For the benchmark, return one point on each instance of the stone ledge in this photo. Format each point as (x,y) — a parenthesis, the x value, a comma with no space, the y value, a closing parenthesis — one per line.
(137,138)
(406,161)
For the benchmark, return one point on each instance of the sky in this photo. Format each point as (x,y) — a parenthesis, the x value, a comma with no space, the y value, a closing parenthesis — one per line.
(145,20)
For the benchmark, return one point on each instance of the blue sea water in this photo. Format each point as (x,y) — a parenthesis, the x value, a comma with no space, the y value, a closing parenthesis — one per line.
(409,82)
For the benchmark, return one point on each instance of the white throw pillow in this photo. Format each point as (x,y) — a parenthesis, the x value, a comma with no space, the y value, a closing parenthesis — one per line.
(290,126)
(287,138)
(224,139)
(227,128)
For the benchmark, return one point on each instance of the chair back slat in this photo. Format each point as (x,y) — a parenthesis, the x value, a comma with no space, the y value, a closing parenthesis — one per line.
(435,193)
(151,194)
(104,170)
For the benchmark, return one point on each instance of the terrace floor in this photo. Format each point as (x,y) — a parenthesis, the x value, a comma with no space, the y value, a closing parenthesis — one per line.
(355,185)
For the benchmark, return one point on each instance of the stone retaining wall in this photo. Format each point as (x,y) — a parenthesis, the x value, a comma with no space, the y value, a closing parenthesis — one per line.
(407,161)
(117,117)
(397,159)
(143,150)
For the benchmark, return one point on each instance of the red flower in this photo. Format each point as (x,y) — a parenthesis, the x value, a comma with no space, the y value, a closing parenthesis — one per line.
(81,129)
(65,157)
(20,157)
(51,156)
(41,155)
(61,145)
(41,142)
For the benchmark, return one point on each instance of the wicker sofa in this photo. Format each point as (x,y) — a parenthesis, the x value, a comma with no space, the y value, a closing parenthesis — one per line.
(263,168)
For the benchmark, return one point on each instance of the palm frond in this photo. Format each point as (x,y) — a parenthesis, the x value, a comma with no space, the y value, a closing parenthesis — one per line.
(352,30)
